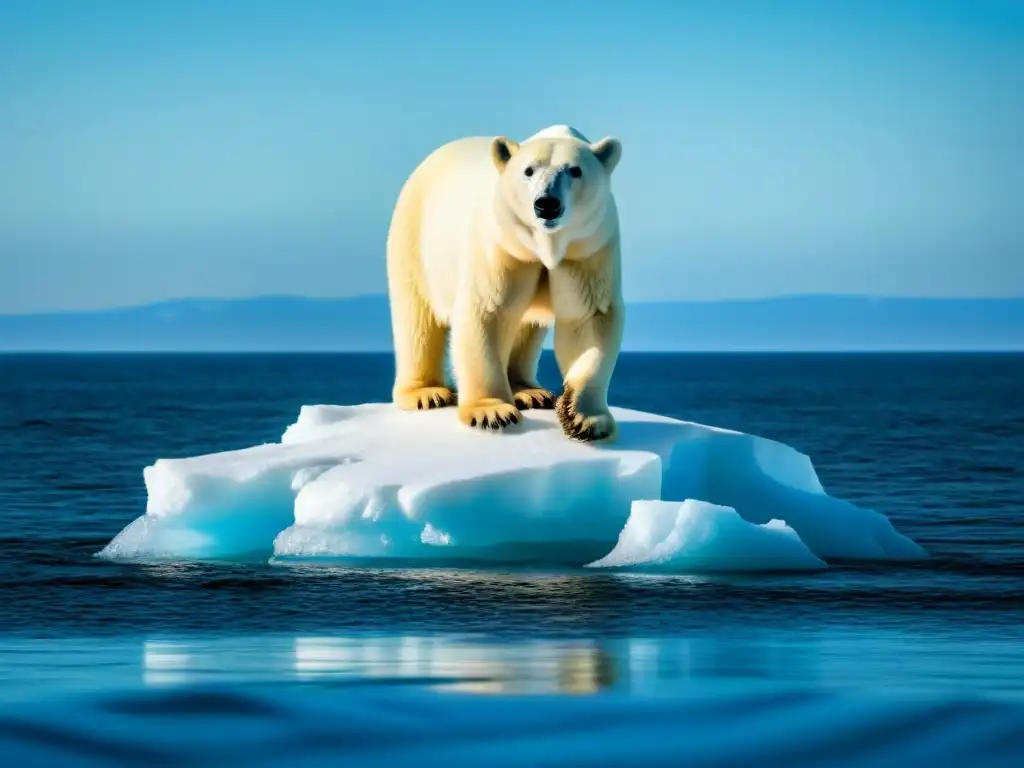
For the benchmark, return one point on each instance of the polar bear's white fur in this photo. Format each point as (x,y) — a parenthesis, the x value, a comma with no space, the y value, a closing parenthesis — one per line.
(494,241)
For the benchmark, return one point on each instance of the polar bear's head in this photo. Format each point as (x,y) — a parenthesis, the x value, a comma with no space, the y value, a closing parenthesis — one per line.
(554,188)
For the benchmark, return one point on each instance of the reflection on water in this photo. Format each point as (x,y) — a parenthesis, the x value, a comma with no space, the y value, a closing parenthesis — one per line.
(958,662)
(637,665)
(444,664)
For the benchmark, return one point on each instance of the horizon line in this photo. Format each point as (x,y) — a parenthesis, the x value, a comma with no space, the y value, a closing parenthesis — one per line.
(384,295)
(625,351)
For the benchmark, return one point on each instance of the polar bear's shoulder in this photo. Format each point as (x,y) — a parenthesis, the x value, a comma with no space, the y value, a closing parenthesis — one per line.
(559,132)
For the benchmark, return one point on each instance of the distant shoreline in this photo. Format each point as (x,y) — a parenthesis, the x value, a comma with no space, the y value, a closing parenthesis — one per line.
(362,324)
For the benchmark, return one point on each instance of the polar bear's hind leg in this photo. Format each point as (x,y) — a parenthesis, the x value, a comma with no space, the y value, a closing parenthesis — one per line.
(522,368)
(419,336)
(419,356)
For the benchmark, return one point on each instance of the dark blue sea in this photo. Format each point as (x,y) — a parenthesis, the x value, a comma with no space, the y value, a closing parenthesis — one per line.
(105,663)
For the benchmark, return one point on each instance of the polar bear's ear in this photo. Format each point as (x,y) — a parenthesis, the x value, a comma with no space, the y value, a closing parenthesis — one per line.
(608,151)
(502,149)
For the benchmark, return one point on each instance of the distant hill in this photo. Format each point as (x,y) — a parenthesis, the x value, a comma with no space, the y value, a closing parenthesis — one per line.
(297,324)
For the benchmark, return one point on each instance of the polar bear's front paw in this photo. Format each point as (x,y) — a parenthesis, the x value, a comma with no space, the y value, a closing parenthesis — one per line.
(585,427)
(424,398)
(489,413)
(531,396)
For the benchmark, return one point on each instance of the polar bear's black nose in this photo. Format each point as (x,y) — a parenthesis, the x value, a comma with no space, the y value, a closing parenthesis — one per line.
(547,207)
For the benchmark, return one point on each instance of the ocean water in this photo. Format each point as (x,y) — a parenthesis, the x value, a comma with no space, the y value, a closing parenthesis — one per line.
(118,663)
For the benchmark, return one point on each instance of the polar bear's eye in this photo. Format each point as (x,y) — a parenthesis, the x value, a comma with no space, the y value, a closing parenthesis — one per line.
(576,172)
(528,172)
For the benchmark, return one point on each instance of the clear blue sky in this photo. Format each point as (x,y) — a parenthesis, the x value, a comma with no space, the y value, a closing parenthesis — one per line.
(206,148)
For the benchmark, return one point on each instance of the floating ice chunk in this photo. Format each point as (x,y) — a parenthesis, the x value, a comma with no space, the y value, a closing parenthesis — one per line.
(695,537)
(370,481)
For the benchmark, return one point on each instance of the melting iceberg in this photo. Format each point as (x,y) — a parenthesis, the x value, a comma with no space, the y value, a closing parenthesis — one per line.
(696,536)
(370,482)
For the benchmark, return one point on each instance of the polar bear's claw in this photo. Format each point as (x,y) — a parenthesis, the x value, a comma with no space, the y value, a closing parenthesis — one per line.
(424,398)
(580,426)
(534,397)
(491,414)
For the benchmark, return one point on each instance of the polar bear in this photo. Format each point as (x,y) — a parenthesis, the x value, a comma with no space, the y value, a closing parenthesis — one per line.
(491,242)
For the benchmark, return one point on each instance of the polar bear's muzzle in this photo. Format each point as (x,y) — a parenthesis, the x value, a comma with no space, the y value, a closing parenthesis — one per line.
(548,208)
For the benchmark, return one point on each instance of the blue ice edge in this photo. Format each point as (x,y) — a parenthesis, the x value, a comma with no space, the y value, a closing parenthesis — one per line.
(369,483)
